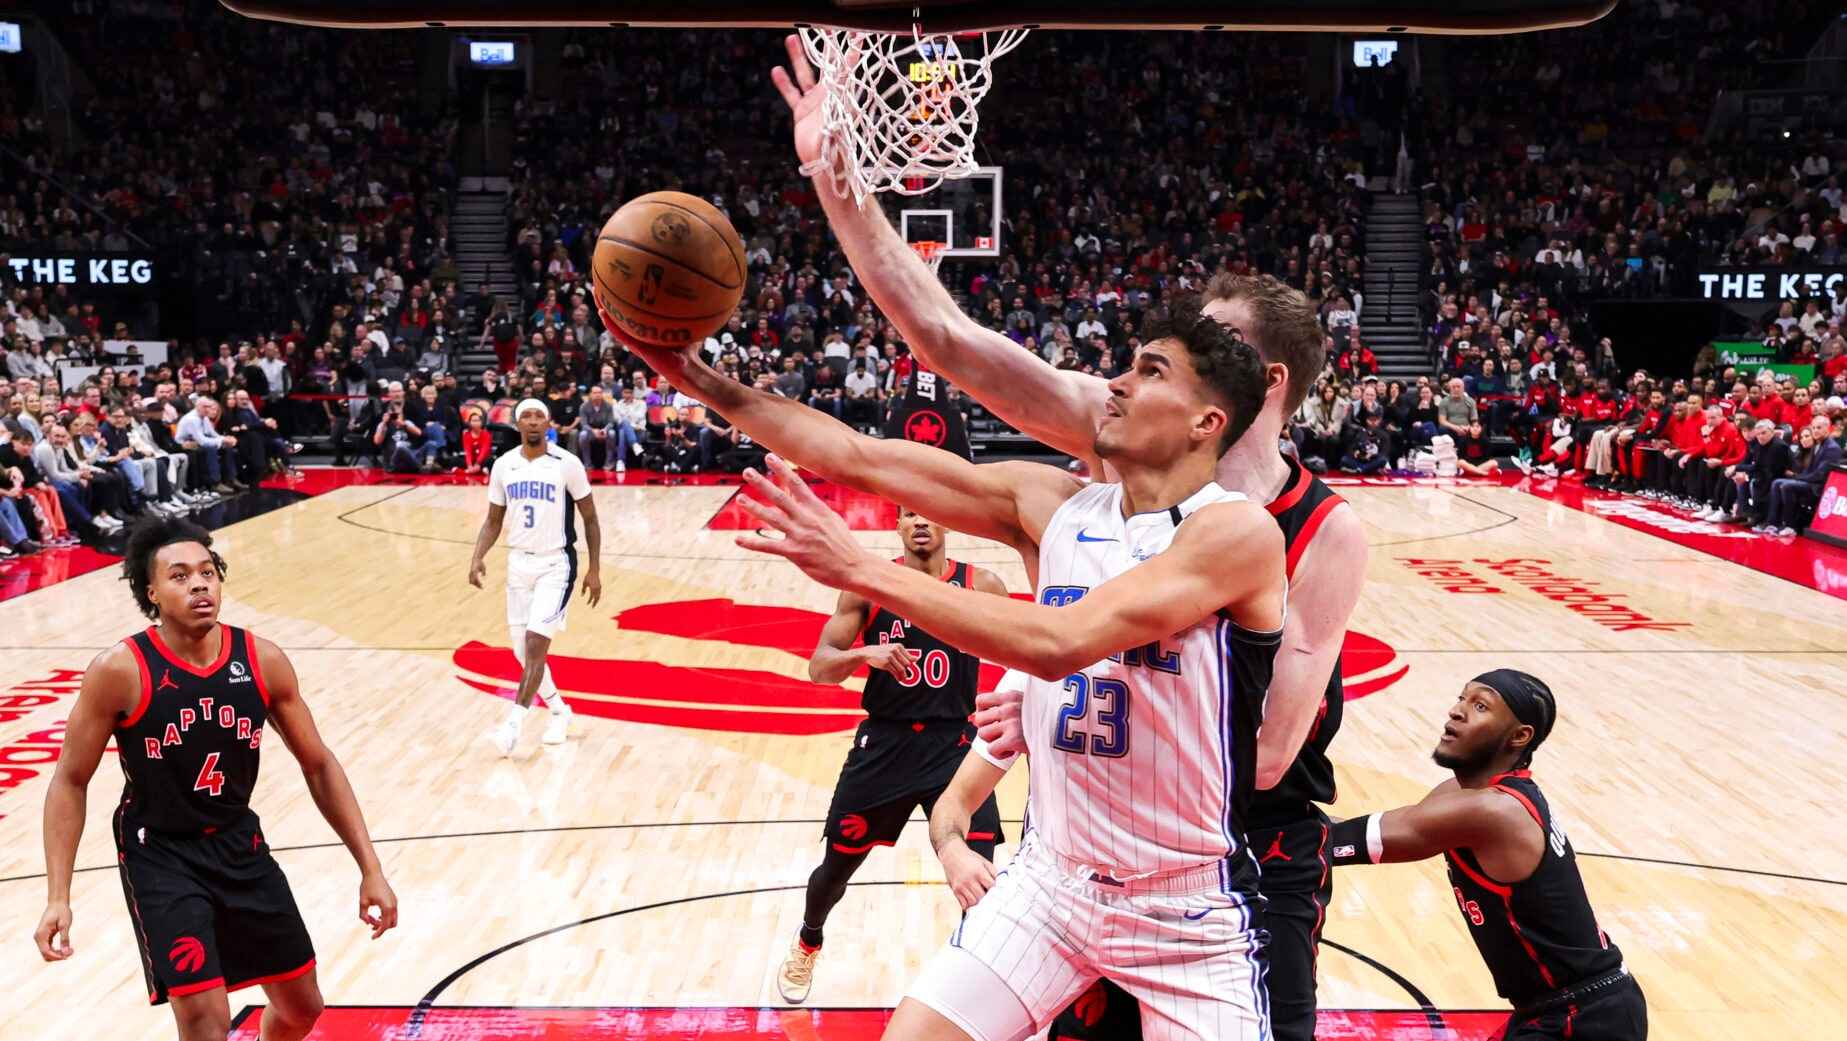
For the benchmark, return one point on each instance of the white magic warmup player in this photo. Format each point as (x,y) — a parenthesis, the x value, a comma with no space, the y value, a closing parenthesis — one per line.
(537,484)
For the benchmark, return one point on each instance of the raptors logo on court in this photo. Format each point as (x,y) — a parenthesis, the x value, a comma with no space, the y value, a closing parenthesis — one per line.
(759,701)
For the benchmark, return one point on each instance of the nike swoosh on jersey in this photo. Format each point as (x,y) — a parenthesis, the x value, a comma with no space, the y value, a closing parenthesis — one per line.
(1081,537)
(1191,917)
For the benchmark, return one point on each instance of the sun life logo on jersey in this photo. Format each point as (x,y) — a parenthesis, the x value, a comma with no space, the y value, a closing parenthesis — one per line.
(239,674)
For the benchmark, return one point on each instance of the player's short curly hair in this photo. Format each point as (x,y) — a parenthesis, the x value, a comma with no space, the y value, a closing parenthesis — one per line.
(146,539)
(1225,361)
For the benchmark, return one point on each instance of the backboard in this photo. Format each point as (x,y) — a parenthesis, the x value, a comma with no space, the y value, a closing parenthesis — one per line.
(1354,16)
(964,213)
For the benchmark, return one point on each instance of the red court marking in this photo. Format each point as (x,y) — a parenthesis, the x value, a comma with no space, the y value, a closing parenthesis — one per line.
(770,1024)
(1806,562)
(49,567)
(760,625)
(863,512)
(722,699)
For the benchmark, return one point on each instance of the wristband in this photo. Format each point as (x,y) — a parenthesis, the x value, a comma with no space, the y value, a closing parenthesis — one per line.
(1357,840)
(999,762)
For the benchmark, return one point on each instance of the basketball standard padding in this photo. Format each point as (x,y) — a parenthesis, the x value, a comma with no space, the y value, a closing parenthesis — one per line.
(669,267)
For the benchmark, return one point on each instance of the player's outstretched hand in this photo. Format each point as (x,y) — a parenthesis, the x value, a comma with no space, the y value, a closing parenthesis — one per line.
(997,721)
(814,538)
(593,587)
(804,97)
(894,658)
(668,361)
(970,874)
(53,934)
(378,905)
(477,571)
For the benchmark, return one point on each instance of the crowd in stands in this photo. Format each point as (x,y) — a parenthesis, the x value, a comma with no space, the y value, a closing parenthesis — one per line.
(1089,245)
(1561,169)
(317,201)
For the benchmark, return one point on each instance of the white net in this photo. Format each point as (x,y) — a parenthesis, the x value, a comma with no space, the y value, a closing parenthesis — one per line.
(899,113)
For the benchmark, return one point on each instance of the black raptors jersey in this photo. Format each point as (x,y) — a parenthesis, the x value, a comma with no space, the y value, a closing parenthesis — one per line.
(1537,935)
(191,748)
(1304,503)
(942,682)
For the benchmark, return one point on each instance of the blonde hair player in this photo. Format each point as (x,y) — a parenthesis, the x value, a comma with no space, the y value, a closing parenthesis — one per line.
(538,483)
(1161,605)
(1326,543)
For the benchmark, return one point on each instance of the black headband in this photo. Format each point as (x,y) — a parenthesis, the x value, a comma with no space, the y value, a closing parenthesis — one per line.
(1527,697)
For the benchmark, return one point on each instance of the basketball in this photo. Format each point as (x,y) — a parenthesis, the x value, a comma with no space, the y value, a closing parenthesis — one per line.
(669,267)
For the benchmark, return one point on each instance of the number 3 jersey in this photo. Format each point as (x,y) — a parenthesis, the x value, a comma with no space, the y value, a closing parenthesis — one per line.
(1144,762)
(191,747)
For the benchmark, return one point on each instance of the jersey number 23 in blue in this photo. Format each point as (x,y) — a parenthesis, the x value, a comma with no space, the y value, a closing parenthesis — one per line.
(1105,701)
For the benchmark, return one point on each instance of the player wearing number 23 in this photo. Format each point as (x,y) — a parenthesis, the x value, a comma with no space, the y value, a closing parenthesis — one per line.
(1150,649)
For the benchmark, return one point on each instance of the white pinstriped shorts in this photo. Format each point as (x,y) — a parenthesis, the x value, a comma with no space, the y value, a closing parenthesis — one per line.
(1183,947)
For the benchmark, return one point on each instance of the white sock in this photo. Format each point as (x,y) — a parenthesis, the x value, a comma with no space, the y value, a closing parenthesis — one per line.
(516,716)
(548,692)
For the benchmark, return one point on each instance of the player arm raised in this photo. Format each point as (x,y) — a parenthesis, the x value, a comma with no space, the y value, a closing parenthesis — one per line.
(835,658)
(1060,408)
(1007,502)
(1166,594)
(1450,817)
(327,783)
(1322,595)
(111,689)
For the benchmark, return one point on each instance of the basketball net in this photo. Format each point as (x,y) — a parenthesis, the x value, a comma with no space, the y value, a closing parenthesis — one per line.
(931,253)
(899,112)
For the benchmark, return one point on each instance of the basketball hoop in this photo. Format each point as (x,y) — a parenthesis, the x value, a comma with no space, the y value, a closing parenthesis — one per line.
(931,253)
(899,114)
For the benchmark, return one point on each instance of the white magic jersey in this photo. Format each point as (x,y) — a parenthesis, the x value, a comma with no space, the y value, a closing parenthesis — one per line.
(1144,762)
(540,496)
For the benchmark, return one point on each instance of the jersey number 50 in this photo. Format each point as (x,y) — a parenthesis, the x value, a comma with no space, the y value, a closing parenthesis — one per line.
(1108,735)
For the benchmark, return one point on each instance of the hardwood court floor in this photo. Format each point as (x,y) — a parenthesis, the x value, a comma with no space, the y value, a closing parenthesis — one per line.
(1704,722)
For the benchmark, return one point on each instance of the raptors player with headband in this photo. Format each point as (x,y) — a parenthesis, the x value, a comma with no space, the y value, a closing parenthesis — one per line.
(540,485)
(1326,547)
(1161,603)
(1513,870)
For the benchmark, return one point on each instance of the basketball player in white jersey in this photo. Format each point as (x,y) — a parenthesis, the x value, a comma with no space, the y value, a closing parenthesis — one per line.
(1326,554)
(1161,602)
(537,483)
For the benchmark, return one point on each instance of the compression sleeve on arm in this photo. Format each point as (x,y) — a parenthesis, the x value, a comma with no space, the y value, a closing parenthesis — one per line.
(1356,840)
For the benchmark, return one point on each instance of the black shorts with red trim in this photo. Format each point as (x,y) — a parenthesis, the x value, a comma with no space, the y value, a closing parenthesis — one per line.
(209,910)
(1616,1013)
(893,768)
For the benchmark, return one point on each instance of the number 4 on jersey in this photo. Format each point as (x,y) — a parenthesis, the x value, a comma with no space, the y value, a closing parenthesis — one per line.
(210,780)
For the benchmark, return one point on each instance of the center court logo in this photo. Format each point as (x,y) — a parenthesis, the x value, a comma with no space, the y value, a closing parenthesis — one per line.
(754,701)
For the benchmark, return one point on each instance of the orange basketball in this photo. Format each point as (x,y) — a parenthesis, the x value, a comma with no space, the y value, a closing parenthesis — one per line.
(669,267)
